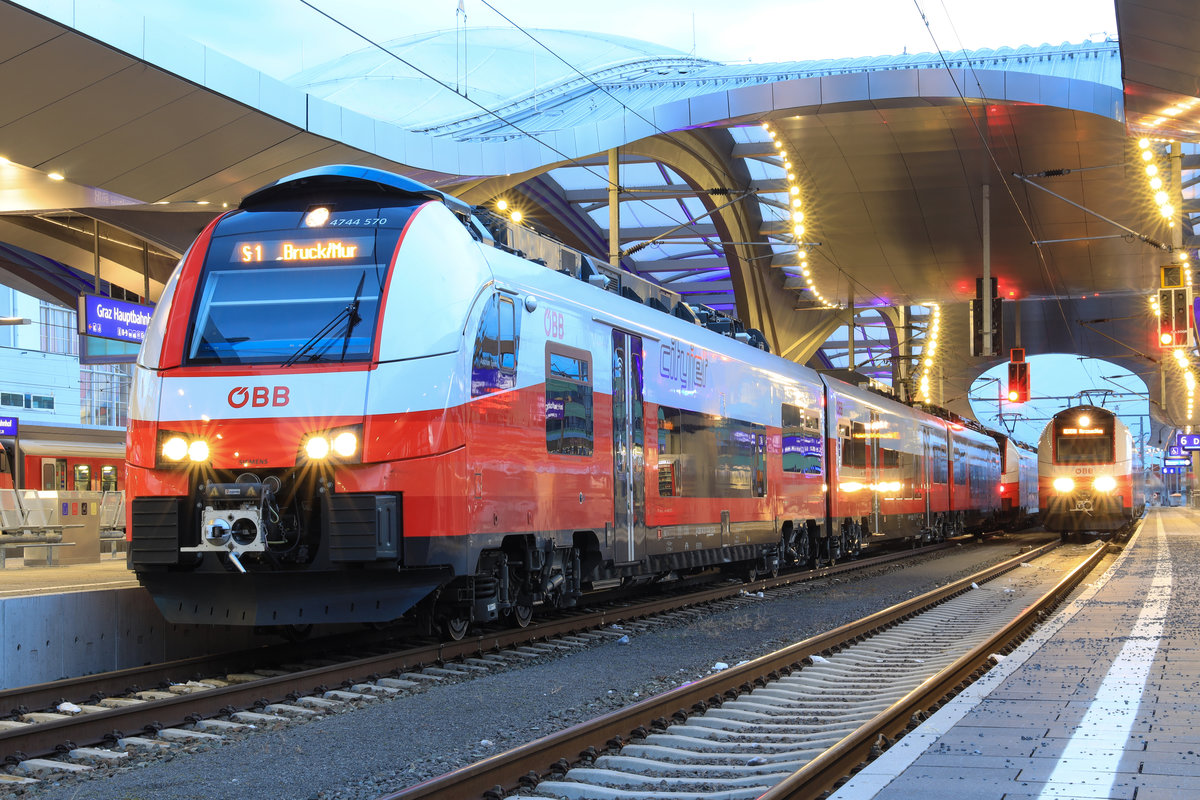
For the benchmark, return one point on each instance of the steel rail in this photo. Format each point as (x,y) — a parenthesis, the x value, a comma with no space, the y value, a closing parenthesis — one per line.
(502,773)
(45,738)
(819,775)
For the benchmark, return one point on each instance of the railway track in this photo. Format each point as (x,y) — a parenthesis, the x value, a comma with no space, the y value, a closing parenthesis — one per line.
(98,719)
(793,723)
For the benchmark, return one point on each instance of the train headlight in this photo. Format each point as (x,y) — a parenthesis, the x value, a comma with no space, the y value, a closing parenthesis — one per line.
(345,444)
(317,447)
(198,450)
(1063,484)
(1105,483)
(175,448)
(337,446)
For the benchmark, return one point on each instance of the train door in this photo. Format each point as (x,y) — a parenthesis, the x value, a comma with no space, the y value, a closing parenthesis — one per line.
(927,457)
(875,464)
(629,489)
(54,474)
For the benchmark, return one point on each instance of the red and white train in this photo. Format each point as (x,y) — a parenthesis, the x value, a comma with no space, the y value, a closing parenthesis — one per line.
(1018,483)
(1090,476)
(354,403)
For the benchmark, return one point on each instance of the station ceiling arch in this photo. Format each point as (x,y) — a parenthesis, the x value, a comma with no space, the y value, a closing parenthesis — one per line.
(891,157)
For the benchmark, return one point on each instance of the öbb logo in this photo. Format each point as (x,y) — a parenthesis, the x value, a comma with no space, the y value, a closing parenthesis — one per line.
(258,396)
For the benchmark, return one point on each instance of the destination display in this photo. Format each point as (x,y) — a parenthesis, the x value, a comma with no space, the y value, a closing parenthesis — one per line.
(347,248)
(113,319)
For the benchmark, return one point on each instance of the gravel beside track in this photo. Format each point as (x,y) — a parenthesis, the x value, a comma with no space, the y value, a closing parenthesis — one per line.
(391,744)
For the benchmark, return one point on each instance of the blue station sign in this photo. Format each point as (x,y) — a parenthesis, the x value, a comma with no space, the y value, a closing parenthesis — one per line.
(8,426)
(1189,441)
(113,319)
(1177,462)
(1174,451)
(1173,470)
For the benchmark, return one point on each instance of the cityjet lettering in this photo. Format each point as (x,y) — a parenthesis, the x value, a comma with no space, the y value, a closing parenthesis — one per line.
(688,368)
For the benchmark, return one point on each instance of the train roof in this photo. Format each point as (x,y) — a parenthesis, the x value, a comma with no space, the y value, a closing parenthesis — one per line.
(346,176)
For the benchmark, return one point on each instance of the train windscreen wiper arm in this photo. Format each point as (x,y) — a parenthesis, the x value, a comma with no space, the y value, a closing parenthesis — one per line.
(349,314)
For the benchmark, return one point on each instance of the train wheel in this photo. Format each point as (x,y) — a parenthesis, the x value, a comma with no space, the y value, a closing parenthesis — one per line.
(834,547)
(520,616)
(296,633)
(455,628)
(854,541)
(803,548)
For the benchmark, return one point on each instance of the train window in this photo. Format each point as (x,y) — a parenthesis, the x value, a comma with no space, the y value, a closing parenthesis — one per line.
(569,420)
(854,448)
(960,468)
(494,364)
(281,296)
(712,456)
(938,469)
(83,478)
(889,459)
(802,446)
(108,478)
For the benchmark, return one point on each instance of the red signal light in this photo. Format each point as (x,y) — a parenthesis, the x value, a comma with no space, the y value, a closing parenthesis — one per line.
(1018,381)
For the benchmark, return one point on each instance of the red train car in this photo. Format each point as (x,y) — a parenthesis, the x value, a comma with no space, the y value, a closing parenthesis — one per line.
(354,402)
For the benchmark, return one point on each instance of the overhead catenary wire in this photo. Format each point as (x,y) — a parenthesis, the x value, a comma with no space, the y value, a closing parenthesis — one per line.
(377,45)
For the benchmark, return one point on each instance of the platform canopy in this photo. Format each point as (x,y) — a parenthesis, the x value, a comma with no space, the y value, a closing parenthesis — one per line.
(155,134)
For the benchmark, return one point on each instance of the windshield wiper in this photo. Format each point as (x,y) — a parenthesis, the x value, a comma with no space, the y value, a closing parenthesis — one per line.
(349,314)
(352,311)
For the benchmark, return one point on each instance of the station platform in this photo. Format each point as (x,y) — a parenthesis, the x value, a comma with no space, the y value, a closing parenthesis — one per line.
(76,619)
(17,580)
(1103,701)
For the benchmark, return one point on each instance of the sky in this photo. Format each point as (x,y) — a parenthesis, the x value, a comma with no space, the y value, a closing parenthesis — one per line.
(1057,381)
(282,37)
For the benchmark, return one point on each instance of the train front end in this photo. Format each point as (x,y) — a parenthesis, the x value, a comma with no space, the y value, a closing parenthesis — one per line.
(285,423)
(1084,472)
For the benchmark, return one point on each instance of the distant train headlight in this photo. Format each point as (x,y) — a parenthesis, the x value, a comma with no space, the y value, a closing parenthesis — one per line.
(1063,484)
(316,447)
(198,450)
(345,444)
(175,448)
(1105,483)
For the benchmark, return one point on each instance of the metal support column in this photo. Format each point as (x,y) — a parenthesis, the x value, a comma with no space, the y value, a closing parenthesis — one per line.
(902,366)
(96,253)
(850,328)
(614,209)
(987,271)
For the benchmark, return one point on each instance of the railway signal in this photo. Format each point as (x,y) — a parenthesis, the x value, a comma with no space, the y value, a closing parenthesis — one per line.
(1174,309)
(1018,376)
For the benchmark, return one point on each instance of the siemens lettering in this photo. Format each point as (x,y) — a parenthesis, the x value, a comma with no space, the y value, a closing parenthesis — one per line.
(688,368)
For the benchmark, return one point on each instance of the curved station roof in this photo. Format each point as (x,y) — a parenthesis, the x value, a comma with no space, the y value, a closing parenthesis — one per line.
(885,158)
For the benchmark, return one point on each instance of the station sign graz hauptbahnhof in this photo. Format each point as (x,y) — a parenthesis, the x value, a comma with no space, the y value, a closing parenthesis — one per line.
(110,330)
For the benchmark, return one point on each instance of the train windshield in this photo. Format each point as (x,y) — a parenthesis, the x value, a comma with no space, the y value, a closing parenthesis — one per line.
(291,297)
(1083,439)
